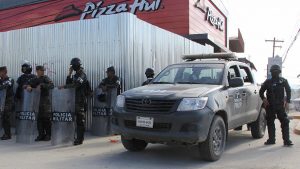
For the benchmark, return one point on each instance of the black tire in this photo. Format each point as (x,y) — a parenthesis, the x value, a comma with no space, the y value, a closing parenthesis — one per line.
(134,144)
(214,146)
(258,127)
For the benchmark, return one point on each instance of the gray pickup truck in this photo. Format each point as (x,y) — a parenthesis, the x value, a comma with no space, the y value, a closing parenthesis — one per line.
(192,103)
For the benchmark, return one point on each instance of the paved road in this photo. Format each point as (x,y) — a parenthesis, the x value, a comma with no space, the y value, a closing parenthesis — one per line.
(242,152)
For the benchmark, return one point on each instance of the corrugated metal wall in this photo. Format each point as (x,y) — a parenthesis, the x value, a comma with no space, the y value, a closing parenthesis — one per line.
(123,41)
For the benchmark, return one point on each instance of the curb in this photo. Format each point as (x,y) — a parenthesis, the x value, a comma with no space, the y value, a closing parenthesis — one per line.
(297,129)
(296,116)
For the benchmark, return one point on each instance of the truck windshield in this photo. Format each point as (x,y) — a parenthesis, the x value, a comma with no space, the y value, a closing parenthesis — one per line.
(191,74)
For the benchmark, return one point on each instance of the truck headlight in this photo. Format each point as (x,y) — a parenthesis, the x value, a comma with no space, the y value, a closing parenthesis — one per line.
(189,104)
(120,101)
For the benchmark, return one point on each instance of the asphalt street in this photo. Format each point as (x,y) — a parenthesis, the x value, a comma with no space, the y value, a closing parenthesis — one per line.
(242,152)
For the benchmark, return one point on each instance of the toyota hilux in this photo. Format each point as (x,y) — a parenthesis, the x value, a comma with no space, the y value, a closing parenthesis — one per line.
(192,103)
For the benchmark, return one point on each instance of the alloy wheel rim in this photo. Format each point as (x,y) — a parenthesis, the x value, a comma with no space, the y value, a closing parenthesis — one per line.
(217,140)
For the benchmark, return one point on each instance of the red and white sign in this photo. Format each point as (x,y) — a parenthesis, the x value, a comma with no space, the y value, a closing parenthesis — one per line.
(183,17)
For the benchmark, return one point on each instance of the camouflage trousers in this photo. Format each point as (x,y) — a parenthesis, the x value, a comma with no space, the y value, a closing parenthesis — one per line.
(44,119)
(80,121)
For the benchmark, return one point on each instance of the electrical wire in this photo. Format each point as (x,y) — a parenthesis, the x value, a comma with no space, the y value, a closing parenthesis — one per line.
(291,45)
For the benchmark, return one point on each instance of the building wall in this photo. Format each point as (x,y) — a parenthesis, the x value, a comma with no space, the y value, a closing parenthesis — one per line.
(123,41)
(198,23)
(173,16)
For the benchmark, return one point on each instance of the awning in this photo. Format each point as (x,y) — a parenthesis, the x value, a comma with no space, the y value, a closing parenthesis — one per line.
(204,38)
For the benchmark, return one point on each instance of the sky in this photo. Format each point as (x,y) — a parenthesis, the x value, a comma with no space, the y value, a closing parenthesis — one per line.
(260,20)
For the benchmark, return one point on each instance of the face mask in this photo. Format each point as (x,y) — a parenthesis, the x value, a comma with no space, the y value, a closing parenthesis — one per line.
(275,74)
(76,67)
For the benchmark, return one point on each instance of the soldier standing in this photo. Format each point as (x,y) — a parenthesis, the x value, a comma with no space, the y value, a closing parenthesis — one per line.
(24,79)
(44,117)
(111,81)
(80,83)
(275,104)
(6,83)
(150,75)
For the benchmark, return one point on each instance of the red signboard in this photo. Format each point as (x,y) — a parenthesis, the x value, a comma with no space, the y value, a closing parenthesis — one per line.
(182,17)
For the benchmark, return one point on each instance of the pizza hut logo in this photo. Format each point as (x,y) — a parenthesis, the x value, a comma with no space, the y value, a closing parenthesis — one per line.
(200,4)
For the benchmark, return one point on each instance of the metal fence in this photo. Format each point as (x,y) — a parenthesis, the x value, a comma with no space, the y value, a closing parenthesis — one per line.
(123,41)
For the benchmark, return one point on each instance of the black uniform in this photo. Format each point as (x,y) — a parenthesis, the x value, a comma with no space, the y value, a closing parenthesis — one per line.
(23,80)
(111,83)
(147,81)
(44,116)
(7,84)
(275,88)
(79,82)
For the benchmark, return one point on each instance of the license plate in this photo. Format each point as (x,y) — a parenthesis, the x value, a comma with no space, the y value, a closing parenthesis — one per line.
(146,122)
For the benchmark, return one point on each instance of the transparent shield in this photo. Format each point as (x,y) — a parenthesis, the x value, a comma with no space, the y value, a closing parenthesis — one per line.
(2,104)
(63,119)
(27,116)
(102,111)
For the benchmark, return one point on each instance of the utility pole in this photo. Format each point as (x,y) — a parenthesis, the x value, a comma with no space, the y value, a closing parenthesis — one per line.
(274,44)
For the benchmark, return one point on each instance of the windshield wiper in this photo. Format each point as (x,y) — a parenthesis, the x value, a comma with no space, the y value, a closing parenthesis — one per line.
(162,83)
(185,82)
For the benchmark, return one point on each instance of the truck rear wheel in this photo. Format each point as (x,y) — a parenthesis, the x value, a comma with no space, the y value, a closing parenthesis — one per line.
(134,144)
(258,127)
(213,147)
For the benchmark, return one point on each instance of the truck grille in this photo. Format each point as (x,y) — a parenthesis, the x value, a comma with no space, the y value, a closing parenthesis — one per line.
(156,126)
(149,105)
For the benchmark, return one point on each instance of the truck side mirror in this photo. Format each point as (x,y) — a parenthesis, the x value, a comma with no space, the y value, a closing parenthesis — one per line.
(236,82)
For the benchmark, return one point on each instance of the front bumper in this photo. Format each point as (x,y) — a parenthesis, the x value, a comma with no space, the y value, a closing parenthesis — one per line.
(177,127)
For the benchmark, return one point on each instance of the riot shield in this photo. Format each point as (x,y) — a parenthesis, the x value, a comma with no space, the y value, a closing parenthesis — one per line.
(2,104)
(102,111)
(26,120)
(63,116)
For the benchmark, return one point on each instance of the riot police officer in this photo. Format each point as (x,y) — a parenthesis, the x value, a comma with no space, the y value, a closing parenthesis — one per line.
(79,82)
(6,83)
(44,116)
(150,75)
(24,79)
(111,81)
(275,104)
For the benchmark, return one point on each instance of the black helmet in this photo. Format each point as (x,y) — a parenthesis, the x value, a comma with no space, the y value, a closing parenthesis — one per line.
(149,72)
(75,63)
(26,68)
(40,67)
(3,68)
(275,68)
(111,69)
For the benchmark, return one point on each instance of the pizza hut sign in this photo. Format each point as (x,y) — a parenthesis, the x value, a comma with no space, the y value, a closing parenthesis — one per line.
(214,20)
(96,10)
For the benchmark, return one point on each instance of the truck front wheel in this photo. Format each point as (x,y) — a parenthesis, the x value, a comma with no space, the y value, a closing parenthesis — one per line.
(134,144)
(213,147)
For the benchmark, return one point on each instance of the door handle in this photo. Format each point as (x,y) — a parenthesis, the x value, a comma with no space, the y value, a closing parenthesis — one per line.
(244,94)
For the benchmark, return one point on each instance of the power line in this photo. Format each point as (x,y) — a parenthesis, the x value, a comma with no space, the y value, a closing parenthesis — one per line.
(291,45)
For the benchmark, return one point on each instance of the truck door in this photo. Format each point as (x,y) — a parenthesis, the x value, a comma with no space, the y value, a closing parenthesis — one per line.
(234,98)
(249,95)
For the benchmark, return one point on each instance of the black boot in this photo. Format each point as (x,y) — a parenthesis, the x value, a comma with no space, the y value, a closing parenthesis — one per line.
(288,143)
(40,138)
(77,142)
(6,137)
(47,138)
(270,142)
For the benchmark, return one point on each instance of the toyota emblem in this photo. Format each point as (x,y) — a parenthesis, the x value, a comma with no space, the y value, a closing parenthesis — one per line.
(146,101)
